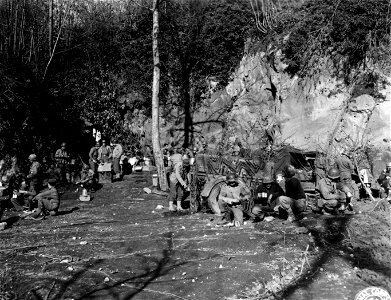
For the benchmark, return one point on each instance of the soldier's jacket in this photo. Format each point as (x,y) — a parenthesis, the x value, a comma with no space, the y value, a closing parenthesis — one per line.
(239,192)
(35,170)
(50,194)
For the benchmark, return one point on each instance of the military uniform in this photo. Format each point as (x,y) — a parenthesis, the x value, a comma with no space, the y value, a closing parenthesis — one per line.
(239,193)
(331,194)
(48,201)
(34,176)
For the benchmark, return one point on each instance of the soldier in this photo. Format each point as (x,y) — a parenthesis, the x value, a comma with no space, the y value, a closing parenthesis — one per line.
(321,166)
(231,195)
(117,153)
(87,178)
(294,203)
(62,159)
(93,157)
(48,202)
(104,152)
(178,181)
(34,175)
(22,197)
(332,193)
(266,197)
(346,168)
(385,182)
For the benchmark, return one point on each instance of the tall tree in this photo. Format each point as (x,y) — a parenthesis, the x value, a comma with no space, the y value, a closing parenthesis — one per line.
(155,98)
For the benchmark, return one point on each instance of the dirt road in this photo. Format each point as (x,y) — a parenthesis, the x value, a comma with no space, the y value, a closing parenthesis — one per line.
(119,246)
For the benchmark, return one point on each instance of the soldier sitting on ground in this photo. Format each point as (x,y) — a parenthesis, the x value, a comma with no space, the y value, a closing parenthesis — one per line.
(332,193)
(22,197)
(266,197)
(231,196)
(48,202)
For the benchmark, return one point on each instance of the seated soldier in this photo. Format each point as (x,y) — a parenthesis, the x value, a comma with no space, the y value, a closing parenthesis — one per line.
(266,196)
(87,178)
(22,197)
(385,182)
(294,203)
(48,202)
(332,193)
(232,193)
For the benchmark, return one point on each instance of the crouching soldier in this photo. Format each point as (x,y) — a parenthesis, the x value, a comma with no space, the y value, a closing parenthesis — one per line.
(231,196)
(266,197)
(332,193)
(48,202)
(294,203)
(87,178)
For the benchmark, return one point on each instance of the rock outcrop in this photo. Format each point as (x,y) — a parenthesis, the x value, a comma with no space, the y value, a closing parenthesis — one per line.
(264,106)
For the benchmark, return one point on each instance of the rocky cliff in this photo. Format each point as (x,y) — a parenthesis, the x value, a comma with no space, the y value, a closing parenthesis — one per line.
(263,106)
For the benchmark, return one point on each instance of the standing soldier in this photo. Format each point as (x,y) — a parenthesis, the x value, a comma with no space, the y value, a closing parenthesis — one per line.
(178,181)
(93,157)
(34,175)
(62,160)
(117,153)
(104,152)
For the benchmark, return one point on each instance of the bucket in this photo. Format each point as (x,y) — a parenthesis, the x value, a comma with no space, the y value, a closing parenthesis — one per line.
(155,180)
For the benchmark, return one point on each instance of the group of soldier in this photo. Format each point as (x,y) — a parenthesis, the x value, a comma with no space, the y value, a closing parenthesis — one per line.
(335,192)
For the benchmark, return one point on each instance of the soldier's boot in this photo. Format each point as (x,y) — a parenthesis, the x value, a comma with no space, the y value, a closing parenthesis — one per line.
(171,206)
(179,206)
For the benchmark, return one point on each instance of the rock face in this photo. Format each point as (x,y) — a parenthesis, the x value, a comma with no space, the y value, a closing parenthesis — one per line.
(264,106)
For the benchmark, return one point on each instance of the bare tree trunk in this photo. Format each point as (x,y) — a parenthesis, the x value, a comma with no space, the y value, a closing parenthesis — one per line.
(155,99)
(50,27)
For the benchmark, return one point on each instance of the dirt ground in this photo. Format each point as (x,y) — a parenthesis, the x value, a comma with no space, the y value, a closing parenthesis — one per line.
(120,246)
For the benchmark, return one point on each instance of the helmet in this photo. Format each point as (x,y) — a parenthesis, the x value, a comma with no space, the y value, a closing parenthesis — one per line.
(267,179)
(186,162)
(85,167)
(289,171)
(333,173)
(52,181)
(231,177)
(32,157)
(64,144)
(388,165)
(195,149)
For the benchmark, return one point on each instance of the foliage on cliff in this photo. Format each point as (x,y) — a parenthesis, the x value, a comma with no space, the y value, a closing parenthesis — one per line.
(353,33)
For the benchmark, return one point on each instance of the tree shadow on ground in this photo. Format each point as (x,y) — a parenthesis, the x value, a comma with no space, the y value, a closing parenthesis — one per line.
(153,268)
(330,241)
(11,220)
(68,211)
